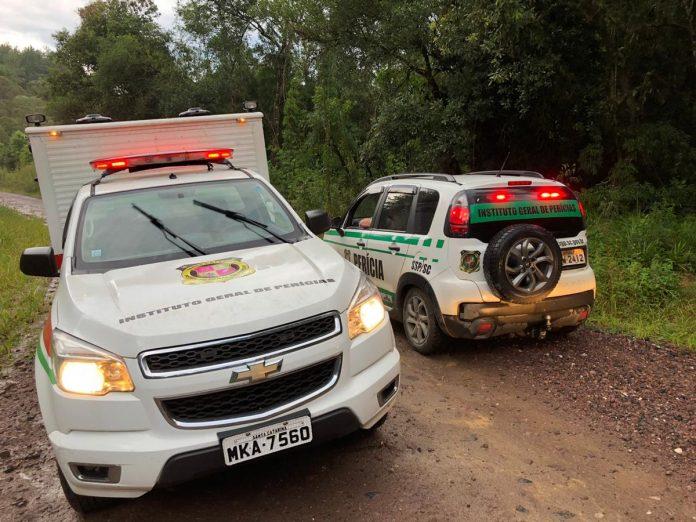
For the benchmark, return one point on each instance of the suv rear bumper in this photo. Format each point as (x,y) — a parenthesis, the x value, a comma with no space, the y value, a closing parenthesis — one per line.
(558,312)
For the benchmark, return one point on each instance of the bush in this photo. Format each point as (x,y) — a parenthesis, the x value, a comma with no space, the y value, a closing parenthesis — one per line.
(20,181)
(644,264)
(21,297)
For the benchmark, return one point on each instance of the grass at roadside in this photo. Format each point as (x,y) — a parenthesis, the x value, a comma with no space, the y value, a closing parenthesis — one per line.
(20,181)
(645,266)
(21,297)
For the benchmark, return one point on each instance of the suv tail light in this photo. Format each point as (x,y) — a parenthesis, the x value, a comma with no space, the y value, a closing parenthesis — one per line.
(582,209)
(458,219)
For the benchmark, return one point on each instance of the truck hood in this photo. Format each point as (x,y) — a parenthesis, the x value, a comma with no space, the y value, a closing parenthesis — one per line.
(179,302)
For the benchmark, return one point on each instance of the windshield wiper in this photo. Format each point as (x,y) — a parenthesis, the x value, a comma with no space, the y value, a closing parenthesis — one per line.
(166,230)
(231,214)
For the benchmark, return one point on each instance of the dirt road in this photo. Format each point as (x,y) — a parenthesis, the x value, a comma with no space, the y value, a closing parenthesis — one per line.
(24,204)
(582,428)
(492,431)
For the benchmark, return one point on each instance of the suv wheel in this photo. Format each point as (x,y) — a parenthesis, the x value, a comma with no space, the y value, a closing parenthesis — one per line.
(522,263)
(420,322)
(82,503)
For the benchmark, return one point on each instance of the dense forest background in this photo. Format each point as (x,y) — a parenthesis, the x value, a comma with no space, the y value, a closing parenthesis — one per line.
(600,94)
(591,91)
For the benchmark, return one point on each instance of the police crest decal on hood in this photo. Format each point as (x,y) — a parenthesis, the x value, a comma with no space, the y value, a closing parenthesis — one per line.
(217,271)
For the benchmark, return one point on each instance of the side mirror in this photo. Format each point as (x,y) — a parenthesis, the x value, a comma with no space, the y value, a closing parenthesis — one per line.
(317,221)
(337,223)
(38,261)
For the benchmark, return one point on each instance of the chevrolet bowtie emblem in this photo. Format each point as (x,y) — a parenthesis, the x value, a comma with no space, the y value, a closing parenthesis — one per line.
(257,371)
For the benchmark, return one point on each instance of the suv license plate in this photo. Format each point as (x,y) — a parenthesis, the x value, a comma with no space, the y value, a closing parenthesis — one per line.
(574,257)
(266,440)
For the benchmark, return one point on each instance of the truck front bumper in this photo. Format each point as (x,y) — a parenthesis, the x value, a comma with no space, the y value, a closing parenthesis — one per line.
(484,320)
(151,451)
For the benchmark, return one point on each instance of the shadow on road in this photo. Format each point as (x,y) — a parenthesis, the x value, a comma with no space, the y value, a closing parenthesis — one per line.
(322,481)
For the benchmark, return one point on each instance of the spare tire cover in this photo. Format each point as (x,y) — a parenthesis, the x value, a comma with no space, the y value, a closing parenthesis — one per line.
(522,263)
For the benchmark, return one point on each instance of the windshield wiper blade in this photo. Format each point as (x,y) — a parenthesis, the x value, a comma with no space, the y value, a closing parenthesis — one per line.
(166,230)
(231,214)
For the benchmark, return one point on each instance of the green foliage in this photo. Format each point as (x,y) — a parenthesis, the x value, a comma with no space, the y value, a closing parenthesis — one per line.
(22,85)
(117,62)
(645,264)
(21,297)
(598,94)
(20,181)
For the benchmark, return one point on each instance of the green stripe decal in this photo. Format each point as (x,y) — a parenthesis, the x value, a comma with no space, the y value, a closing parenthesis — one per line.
(440,243)
(387,292)
(387,297)
(45,364)
(485,212)
(427,242)
(361,249)
(334,242)
(389,238)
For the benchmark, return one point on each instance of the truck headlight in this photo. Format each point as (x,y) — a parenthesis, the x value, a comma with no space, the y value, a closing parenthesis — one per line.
(86,369)
(366,310)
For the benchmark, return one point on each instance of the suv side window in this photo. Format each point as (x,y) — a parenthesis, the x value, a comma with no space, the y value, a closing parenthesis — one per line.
(396,210)
(425,210)
(363,212)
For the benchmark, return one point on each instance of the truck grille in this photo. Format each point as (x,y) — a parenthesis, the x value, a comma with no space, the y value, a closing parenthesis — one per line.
(254,401)
(167,362)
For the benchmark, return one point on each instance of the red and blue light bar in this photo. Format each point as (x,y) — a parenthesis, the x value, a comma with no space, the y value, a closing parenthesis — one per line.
(161,158)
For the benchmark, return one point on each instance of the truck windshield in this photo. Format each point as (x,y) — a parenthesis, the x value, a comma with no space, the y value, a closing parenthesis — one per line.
(163,223)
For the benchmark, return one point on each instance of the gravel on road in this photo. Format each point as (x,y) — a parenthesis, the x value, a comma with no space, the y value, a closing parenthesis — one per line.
(581,427)
(25,204)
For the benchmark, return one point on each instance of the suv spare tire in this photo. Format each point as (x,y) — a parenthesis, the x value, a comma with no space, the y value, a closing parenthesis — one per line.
(522,263)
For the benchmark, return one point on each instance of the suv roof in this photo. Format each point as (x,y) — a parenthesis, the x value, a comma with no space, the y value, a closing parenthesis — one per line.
(453,183)
(523,173)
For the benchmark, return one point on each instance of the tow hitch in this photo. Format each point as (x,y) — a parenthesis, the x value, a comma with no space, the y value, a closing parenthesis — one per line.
(539,332)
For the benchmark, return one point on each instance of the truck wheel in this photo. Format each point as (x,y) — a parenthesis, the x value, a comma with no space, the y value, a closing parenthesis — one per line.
(420,322)
(522,263)
(82,503)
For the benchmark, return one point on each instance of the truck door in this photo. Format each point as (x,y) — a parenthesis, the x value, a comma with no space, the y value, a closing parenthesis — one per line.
(390,241)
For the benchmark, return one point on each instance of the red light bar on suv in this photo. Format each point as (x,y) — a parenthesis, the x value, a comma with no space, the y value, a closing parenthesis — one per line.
(162,158)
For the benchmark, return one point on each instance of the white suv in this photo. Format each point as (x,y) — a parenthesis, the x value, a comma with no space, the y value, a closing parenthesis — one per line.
(198,323)
(471,256)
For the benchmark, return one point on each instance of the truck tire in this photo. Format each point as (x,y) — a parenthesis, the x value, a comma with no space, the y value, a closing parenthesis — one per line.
(82,503)
(420,322)
(522,263)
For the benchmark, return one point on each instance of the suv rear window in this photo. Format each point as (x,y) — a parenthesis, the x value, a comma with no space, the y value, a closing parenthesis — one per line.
(113,233)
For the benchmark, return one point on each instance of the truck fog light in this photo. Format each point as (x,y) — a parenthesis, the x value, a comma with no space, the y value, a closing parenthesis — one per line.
(366,310)
(86,369)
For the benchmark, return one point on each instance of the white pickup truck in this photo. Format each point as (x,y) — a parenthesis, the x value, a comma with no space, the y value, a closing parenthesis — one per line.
(198,322)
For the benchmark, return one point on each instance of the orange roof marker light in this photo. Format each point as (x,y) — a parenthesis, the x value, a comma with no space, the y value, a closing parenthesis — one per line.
(161,158)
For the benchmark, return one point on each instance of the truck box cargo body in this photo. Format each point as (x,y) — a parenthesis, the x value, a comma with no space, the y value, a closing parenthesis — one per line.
(62,153)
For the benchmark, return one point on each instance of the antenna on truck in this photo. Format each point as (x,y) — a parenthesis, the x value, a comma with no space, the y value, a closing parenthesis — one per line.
(500,172)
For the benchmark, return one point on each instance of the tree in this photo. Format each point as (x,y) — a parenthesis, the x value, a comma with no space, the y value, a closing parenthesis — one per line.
(118,62)
(247,53)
